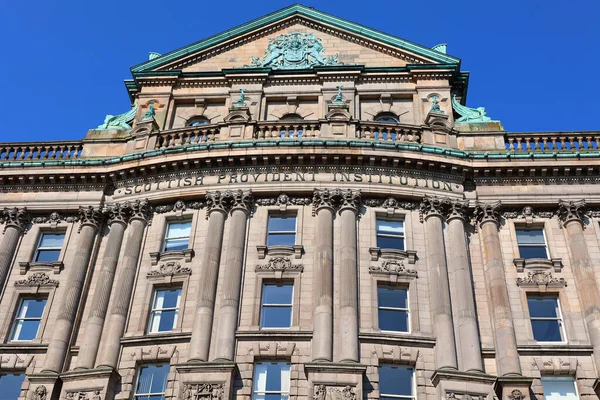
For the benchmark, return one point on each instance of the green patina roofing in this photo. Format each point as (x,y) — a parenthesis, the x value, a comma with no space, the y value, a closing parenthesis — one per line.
(292,10)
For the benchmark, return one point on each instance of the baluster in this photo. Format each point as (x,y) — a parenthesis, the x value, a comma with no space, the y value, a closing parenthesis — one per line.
(588,140)
(554,144)
(511,144)
(562,143)
(536,144)
(519,148)
(528,144)
(544,144)
(580,141)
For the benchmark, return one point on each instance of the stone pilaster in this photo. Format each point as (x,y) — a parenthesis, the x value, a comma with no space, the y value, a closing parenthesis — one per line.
(15,222)
(458,262)
(90,220)
(349,347)
(507,356)
(230,300)
(571,214)
(432,209)
(115,324)
(322,342)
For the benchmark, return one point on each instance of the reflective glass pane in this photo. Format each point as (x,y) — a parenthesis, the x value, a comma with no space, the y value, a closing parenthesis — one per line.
(177,244)
(390,227)
(395,380)
(170,297)
(179,229)
(562,388)
(34,308)
(47,255)
(281,239)
(388,297)
(167,320)
(152,379)
(284,223)
(390,243)
(52,240)
(543,307)
(528,252)
(276,317)
(277,294)
(530,236)
(26,329)
(546,330)
(392,320)
(11,386)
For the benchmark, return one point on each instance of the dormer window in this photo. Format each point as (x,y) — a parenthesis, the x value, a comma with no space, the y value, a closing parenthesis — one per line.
(197,121)
(388,118)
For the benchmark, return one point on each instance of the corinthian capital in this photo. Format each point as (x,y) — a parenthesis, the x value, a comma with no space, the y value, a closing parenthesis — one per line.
(489,211)
(457,208)
(571,210)
(91,216)
(349,199)
(140,209)
(432,205)
(229,200)
(118,212)
(323,198)
(240,199)
(16,217)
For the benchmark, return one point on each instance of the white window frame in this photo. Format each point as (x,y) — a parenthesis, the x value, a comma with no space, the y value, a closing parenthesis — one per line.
(16,319)
(283,215)
(39,244)
(403,235)
(137,381)
(407,309)
(167,239)
(154,310)
(559,318)
(262,305)
(413,383)
(561,378)
(254,377)
(520,227)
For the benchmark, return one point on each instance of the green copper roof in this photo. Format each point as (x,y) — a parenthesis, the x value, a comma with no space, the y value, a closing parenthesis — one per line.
(292,10)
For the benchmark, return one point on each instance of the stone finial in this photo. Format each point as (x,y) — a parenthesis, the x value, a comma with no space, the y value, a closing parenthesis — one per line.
(571,210)
(489,211)
(17,217)
(91,216)
(458,209)
(141,209)
(118,212)
(432,205)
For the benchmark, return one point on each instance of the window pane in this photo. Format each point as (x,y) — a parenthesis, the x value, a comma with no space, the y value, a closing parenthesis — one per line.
(11,386)
(281,239)
(546,330)
(47,255)
(33,308)
(26,329)
(170,297)
(390,227)
(276,317)
(167,320)
(176,244)
(52,240)
(559,388)
(390,243)
(530,236)
(388,297)
(395,380)
(279,224)
(277,294)
(391,320)
(179,229)
(543,308)
(528,252)
(152,379)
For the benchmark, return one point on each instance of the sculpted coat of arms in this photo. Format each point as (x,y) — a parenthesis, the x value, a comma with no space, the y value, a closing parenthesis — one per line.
(294,50)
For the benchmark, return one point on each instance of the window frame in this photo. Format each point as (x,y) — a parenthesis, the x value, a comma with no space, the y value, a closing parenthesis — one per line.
(413,382)
(560,318)
(532,228)
(139,374)
(166,239)
(291,305)
(406,288)
(282,215)
(196,118)
(153,310)
(377,234)
(561,378)
(280,392)
(39,242)
(16,318)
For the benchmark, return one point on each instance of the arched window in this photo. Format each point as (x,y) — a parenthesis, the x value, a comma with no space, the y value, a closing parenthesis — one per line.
(387,118)
(197,121)
(290,117)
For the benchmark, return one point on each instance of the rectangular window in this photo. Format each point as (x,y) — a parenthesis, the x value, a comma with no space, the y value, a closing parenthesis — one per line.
(390,234)
(152,382)
(276,305)
(281,230)
(532,243)
(165,310)
(28,319)
(49,246)
(271,381)
(177,236)
(396,382)
(11,386)
(546,320)
(392,307)
(559,388)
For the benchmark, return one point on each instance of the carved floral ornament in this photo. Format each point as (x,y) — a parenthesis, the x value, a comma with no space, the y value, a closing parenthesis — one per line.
(284,200)
(203,391)
(280,264)
(229,200)
(516,395)
(464,396)
(95,394)
(37,279)
(322,392)
(16,217)
(393,267)
(170,268)
(541,278)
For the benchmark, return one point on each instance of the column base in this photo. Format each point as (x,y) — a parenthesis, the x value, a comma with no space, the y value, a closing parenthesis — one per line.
(43,385)
(452,384)
(513,387)
(206,380)
(328,380)
(93,384)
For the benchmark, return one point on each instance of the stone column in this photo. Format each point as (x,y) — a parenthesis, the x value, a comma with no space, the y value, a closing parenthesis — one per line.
(114,327)
(322,341)
(458,262)
(230,299)
(571,213)
(15,220)
(91,219)
(507,356)
(349,348)
(443,329)
(217,207)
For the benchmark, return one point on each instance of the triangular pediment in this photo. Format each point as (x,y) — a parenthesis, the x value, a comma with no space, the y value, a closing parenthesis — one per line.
(338,42)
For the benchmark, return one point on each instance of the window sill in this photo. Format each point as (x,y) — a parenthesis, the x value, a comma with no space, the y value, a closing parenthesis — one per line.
(393,254)
(54,266)
(538,264)
(172,255)
(296,250)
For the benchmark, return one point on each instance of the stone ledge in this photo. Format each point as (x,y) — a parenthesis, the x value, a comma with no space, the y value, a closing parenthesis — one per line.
(186,254)
(538,264)
(207,366)
(155,338)
(296,250)
(393,254)
(448,374)
(335,367)
(273,334)
(100,372)
(399,339)
(55,266)
(539,349)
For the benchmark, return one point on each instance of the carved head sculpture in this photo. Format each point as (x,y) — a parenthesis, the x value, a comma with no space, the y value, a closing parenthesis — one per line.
(516,395)
(41,392)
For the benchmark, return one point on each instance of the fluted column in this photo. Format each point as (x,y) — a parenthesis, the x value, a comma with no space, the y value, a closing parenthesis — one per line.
(91,219)
(571,213)
(507,356)
(462,297)
(114,326)
(443,329)
(15,220)
(349,348)
(230,299)
(322,341)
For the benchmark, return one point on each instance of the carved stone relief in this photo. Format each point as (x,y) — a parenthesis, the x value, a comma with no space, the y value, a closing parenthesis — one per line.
(516,395)
(170,268)
(203,391)
(280,264)
(322,392)
(40,393)
(393,267)
(540,278)
(95,394)
(37,279)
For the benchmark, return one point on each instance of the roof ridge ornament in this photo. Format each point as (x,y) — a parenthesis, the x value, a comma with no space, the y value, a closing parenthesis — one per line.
(120,121)
(294,50)
(468,114)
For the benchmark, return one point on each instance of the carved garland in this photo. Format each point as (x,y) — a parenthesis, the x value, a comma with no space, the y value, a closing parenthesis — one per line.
(393,267)
(280,264)
(85,395)
(322,392)
(170,268)
(204,391)
(37,279)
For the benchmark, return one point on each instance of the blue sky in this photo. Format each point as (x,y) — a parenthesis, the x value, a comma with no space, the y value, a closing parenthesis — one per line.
(533,63)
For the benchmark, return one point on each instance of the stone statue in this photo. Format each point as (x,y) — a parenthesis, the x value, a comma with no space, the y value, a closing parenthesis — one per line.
(469,114)
(241,101)
(119,121)
(339,98)
(150,113)
(435,107)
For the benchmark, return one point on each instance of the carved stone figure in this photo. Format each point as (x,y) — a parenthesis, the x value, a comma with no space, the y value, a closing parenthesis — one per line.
(320,392)
(120,121)
(516,395)
(339,98)
(40,393)
(435,106)
(241,101)
(203,391)
(150,113)
(469,114)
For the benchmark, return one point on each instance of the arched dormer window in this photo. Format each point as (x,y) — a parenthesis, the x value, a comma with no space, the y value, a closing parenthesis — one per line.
(197,121)
(387,117)
(291,117)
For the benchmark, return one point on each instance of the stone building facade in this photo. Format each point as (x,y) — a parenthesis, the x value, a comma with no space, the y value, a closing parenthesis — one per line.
(304,208)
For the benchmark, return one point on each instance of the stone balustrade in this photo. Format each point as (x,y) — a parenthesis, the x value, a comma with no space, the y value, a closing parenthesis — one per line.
(287,130)
(63,150)
(389,132)
(552,141)
(188,136)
